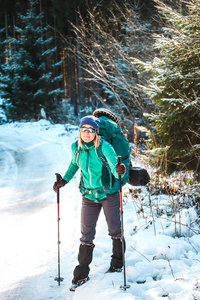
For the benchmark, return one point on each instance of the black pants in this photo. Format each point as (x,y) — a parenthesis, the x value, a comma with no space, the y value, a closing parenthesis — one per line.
(89,215)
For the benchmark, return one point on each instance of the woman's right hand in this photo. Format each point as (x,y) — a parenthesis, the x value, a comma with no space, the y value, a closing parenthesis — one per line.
(59,184)
(120,169)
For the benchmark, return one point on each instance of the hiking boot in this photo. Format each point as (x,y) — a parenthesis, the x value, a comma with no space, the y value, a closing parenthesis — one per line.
(117,258)
(84,258)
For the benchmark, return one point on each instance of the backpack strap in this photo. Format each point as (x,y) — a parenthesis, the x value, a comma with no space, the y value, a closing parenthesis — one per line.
(78,151)
(99,153)
(103,160)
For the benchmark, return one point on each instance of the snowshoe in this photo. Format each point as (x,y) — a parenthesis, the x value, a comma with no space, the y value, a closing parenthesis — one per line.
(114,270)
(78,283)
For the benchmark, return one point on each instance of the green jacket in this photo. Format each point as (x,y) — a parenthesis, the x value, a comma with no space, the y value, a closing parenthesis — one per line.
(97,180)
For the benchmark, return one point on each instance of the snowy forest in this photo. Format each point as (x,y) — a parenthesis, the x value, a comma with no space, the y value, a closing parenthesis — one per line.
(138,58)
(59,61)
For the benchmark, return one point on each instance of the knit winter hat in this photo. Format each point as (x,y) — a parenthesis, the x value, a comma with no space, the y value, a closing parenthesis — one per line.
(90,120)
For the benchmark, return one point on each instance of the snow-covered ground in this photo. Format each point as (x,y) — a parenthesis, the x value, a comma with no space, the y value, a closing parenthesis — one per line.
(157,264)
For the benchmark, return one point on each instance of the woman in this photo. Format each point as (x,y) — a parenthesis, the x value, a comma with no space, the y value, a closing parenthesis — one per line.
(97,194)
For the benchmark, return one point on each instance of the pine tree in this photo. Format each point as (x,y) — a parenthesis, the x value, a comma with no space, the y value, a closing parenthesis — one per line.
(174,86)
(6,68)
(34,82)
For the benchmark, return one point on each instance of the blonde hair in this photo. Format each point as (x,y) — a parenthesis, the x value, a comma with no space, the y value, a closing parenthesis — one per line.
(96,141)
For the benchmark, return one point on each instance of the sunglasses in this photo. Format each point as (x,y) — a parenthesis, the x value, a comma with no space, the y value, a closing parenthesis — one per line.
(90,130)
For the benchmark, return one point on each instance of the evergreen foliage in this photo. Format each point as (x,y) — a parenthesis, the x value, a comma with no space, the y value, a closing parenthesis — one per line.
(118,43)
(174,86)
(31,70)
(6,68)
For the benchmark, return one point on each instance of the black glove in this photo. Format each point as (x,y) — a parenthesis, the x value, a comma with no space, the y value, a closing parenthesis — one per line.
(59,184)
(120,169)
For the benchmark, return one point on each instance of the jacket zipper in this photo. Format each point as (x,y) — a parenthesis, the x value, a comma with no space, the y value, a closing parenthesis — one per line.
(87,169)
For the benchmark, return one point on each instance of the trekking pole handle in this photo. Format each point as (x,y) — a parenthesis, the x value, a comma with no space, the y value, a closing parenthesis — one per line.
(58,177)
(119,160)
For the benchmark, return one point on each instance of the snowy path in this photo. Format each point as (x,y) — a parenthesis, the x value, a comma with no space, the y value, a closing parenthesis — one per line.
(28,225)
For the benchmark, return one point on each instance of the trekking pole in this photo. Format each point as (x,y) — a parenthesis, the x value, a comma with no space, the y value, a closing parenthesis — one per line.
(125,286)
(58,179)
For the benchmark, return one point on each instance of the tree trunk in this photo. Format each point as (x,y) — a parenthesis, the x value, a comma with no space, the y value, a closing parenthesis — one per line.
(79,66)
(56,52)
(6,31)
(73,94)
(14,36)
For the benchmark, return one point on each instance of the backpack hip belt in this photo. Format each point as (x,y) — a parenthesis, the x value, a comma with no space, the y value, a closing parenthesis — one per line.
(100,190)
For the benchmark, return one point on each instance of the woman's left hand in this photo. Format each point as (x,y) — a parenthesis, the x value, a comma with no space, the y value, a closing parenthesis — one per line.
(58,185)
(120,169)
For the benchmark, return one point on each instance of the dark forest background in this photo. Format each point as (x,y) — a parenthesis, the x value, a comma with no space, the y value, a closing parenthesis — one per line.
(62,59)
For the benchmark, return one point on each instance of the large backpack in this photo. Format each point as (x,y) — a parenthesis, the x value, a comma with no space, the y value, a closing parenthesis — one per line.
(109,129)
